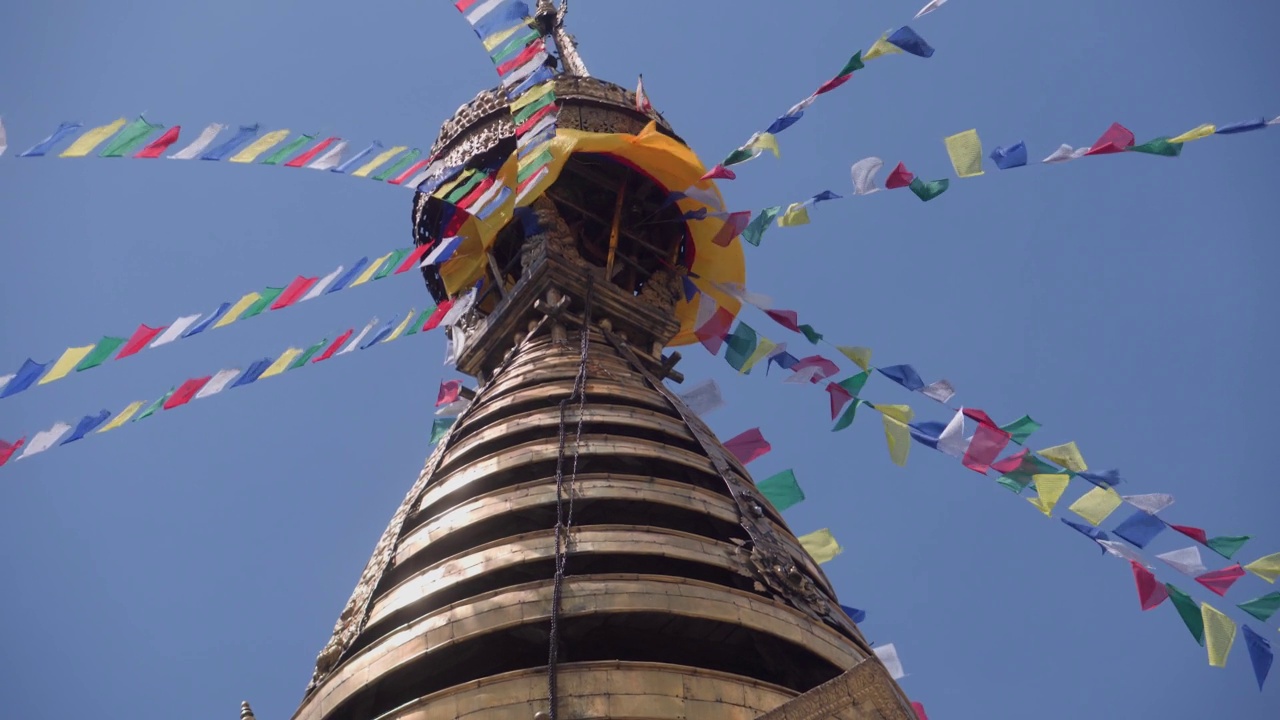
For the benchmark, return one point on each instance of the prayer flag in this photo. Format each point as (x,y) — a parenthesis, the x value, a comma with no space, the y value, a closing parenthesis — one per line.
(1014,156)
(821,545)
(293,291)
(1227,545)
(1049,490)
(1195,133)
(66,363)
(175,330)
(719,172)
(440,428)
(129,138)
(218,383)
(854,614)
(4,145)
(917,707)
(281,363)
(7,449)
(1267,568)
(1096,505)
(881,47)
(1219,634)
(1262,608)
(1121,550)
(847,418)
(825,368)
(378,335)
(1245,126)
(1159,146)
(1194,533)
(1186,561)
(1021,429)
(1116,139)
(207,321)
(907,40)
(378,160)
(896,432)
(204,140)
(100,353)
(740,345)
(92,139)
(797,214)
(357,158)
(1140,528)
(307,354)
(888,654)
(904,375)
(334,346)
(331,157)
(832,84)
(1065,153)
(260,146)
(747,446)
(1260,654)
(434,320)
(157,147)
(864,175)
(703,397)
(781,489)
(140,339)
(1152,503)
(449,391)
(443,252)
(965,150)
(186,391)
(951,441)
(939,391)
(45,439)
(1092,533)
(733,226)
(788,319)
(368,273)
(986,445)
(1150,592)
(859,355)
(154,406)
(252,373)
(927,433)
(1106,478)
(264,301)
(1189,611)
(413,259)
(47,144)
(712,333)
(763,349)
(1220,581)
(899,177)
(242,136)
(400,164)
(764,141)
(87,424)
(1067,455)
(927,191)
(289,148)
(236,310)
(393,262)
(642,98)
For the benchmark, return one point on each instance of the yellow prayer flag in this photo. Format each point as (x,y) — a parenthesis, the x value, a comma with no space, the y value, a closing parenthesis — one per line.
(1219,634)
(1195,133)
(1050,489)
(282,363)
(881,47)
(1067,455)
(535,93)
(369,271)
(92,139)
(532,156)
(896,431)
(965,150)
(123,416)
(402,326)
(763,349)
(821,545)
(498,38)
(766,141)
(71,357)
(241,305)
(859,355)
(380,159)
(796,214)
(1267,568)
(259,146)
(1097,504)
(444,190)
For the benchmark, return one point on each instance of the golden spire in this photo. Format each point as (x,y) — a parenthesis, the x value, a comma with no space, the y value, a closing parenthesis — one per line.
(246,712)
(551,22)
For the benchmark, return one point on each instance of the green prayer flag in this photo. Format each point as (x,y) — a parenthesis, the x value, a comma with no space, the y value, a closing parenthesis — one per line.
(1189,610)
(269,296)
(129,138)
(1014,483)
(529,110)
(100,353)
(392,263)
(305,356)
(539,161)
(737,156)
(460,191)
(440,428)
(515,45)
(1227,545)
(813,335)
(782,489)
(398,166)
(846,419)
(153,407)
(1021,429)
(740,345)
(854,383)
(280,155)
(927,191)
(1262,608)
(755,230)
(1159,146)
(855,63)
(421,320)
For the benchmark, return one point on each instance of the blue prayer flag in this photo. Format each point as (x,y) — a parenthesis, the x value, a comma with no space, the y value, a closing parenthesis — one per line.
(825,195)
(208,322)
(784,122)
(1140,528)
(350,275)
(784,359)
(383,331)
(500,18)
(537,77)
(1106,478)
(1091,532)
(904,375)
(690,290)
(1011,157)
(856,615)
(87,424)
(253,372)
(24,378)
(1260,654)
(908,41)
(927,433)
(47,144)
(242,136)
(1240,127)
(357,158)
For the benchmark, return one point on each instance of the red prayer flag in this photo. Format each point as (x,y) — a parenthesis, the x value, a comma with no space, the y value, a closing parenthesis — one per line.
(157,147)
(786,318)
(733,227)
(333,347)
(1151,592)
(839,398)
(987,444)
(712,333)
(7,449)
(414,169)
(449,391)
(919,710)
(825,366)
(832,84)
(900,177)
(748,446)
(293,291)
(414,258)
(186,391)
(139,340)
(719,172)
(1116,139)
(1011,463)
(980,417)
(525,56)
(433,322)
(534,119)
(1194,533)
(470,198)
(310,155)
(1219,581)
(464,5)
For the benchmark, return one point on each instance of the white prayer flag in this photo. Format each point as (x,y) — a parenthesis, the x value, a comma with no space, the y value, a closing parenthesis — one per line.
(331,158)
(4,138)
(454,409)
(45,439)
(864,175)
(888,655)
(1186,561)
(739,291)
(706,197)
(952,440)
(450,350)
(443,252)
(930,7)
(218,383)
(1065,153)
(1120,550)
(322,284)
(486,198)
(460,308)
(1151,503)
(703,397)
(547,122)
(518,75)
(4,380)
(942,391)
(1275,122)
(802,105)
(480,11)
(355,342)
(174,331)
(806,375)
(538,177)
(198,146)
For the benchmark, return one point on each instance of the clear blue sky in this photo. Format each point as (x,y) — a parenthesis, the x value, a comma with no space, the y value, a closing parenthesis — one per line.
(180,565)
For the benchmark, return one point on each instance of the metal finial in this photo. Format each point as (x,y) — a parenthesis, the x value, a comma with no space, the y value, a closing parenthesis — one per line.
(246,712)
(552,22)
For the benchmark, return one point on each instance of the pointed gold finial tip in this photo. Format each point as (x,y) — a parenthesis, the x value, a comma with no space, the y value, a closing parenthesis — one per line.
(246,712)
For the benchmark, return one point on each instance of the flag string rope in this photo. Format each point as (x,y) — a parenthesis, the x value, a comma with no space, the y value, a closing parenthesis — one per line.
(198,388)
(301,289)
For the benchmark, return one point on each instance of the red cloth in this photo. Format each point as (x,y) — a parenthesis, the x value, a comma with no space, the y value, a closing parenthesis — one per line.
(1116,139)
(1220,581)
(712,333)
(414,169)
(7,449)
(827,367)
(414,258)
(832,84)
(309,155)
(449,391)
(296,289)
(720,172)
(786,318)
(157,147)
(733,227)
(525,56)
(433,322)
(987,444)
(919,709)
(464,5)
(1194,533)
(186,391)
(1011,463)
(534,119)
(839,398)
(900,177)
(141,337)
(1151,592)
(748,446)
(980,417)
(334,346)
(470,198)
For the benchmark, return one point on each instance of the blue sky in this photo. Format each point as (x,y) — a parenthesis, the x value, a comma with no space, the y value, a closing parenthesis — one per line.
(180,565)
